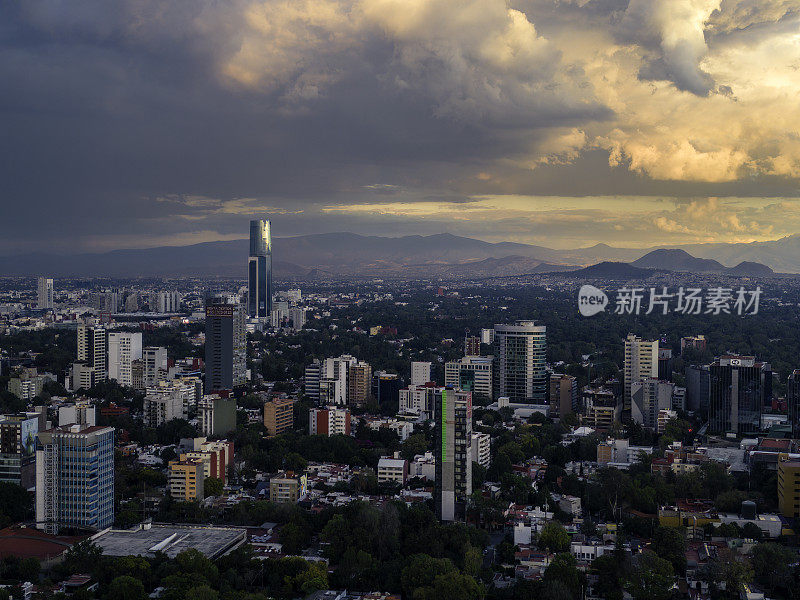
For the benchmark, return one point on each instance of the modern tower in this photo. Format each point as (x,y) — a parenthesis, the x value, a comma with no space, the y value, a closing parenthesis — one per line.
(226,344)
(44,293)
(75,477)
(453,413)
(740,387)
(641,362)
(521,354)
(259,270)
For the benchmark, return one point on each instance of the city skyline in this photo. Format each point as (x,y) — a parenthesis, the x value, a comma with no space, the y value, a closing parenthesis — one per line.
(486,119)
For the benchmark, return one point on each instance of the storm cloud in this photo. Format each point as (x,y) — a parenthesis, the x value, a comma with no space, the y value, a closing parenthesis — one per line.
(143,122)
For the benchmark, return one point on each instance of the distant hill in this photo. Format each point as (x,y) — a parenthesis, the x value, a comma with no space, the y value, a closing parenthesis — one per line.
(750,269)
(678,260)
(440,255)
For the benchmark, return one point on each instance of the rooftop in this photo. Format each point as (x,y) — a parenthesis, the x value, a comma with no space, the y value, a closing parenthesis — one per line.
(170,539)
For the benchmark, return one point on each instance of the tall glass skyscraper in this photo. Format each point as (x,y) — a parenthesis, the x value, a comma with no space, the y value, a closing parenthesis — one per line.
(259,269)
(521,354)
(740,387)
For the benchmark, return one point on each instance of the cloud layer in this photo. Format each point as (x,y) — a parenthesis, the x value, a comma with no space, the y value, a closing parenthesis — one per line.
(139,121)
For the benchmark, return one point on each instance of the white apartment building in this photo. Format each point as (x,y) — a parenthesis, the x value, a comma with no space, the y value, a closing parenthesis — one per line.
(420,372)
(481,449)
(641,361)
(392,470)
(123,349)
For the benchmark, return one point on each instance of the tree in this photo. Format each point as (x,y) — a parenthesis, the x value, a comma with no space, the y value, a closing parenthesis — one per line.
(608,570)
(126,587)
(455,586)
(772,565)
(212,486)
(652,578)
(421,571)
(554,537)
(670,543)
(564,569)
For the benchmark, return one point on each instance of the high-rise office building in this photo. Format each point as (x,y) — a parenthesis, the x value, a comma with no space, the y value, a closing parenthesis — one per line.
(386,389)
(44,293)
(75,477)
(740,386)
(420,372)
(563,395)
(92,350)
(470,374)
(649,396)
(123,349)
(226,344)
(259,270)
(521,353)
(453,452)
(793,402)
(641,361)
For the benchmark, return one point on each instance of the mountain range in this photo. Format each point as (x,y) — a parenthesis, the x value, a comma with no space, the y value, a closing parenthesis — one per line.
(441,255)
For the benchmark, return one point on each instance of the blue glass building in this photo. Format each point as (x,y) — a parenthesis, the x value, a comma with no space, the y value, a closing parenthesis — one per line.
(75,477)
(259,270)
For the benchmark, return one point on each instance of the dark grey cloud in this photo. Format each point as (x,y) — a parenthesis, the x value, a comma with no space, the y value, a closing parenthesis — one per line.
(116,114)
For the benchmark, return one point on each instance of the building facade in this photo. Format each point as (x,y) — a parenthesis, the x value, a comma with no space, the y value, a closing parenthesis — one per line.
(641,361)
(329,421)
(563,395)
(520,359)
(471,374)
(75,477)
(123,349)
(44,293)
(739,388)
(226,344)
(92,350)
(279,416)
(259,270)
(453,453)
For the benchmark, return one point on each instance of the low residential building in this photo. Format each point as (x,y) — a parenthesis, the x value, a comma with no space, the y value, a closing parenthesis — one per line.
(186,477)
(279,416)
(423,466)
(481,449)
(392,469)
(287,487)
(620,452)
(329,421)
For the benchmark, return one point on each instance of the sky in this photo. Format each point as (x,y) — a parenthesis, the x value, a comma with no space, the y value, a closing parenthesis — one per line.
(139,123)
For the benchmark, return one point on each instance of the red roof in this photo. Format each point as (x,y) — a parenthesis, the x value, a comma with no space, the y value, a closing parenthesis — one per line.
(27,542)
